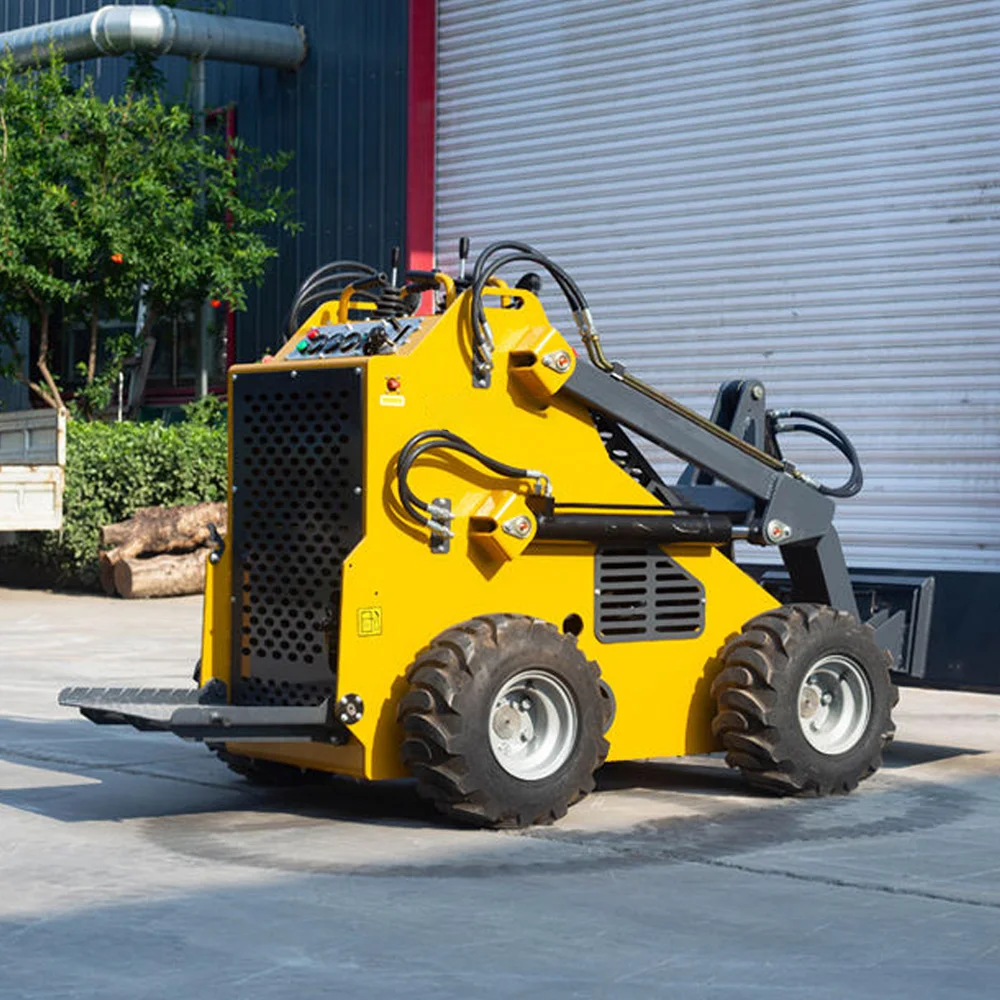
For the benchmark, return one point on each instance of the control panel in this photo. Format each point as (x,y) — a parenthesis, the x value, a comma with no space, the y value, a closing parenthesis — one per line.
(339,340)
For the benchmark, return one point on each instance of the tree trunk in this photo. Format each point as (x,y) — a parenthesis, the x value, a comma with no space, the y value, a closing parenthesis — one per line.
(162,576)
(95,315)
(137,390)
(163,529)
(54,397)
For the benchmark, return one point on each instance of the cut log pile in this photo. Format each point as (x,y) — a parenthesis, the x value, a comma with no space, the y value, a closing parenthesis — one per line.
(160,551)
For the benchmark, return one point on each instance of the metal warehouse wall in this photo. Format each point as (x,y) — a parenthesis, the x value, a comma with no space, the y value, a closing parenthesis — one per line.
(343,113)
(806,192)
(14,395)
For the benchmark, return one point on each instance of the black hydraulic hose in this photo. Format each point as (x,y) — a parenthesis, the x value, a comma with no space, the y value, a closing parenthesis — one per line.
(337,270)
(337,279)
(830,432)
(388,301)
(354,268)
(430,440)
(322,282)
(523,251)
(321,294)
(482,341)
(487,265)
(453,443)
(479,284)
(411,502)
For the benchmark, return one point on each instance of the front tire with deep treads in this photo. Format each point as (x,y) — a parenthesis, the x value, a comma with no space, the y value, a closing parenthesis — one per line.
(804,701)
(503,722)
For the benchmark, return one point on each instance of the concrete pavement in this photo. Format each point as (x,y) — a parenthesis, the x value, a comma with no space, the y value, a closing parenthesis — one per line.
(135,865)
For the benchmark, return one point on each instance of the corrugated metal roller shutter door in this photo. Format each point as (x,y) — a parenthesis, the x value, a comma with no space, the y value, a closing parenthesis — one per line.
(806,192)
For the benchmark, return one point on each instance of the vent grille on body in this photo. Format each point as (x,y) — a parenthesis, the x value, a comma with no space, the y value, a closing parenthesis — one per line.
(643,595)
(297,474)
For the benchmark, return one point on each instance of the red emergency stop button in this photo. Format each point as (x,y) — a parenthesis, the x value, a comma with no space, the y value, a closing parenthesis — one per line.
(392,383)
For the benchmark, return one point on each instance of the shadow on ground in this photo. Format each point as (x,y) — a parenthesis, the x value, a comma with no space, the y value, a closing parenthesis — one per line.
(122,775)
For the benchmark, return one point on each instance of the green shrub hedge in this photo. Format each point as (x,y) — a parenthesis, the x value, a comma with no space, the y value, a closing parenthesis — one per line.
(113,469)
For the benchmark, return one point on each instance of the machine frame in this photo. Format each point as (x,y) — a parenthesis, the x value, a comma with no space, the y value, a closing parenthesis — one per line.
(279,682)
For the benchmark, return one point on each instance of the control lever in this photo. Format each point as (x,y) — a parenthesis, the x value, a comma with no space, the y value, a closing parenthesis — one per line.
(421,281)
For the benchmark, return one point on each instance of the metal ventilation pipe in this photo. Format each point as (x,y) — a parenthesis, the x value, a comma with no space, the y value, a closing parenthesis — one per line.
(160,31)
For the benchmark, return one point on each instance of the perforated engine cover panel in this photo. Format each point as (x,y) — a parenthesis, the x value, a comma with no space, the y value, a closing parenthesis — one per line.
(296,515)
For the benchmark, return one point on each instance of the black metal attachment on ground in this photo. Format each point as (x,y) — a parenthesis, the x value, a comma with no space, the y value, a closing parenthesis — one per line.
(898,607)
(179,711)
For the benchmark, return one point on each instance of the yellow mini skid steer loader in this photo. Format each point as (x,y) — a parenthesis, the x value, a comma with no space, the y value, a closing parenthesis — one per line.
(446,557)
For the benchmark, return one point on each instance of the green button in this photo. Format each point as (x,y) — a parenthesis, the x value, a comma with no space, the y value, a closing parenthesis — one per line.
(302,345)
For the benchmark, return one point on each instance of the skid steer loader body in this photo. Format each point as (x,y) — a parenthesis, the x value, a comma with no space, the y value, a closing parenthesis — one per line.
(326,589)
(559,603)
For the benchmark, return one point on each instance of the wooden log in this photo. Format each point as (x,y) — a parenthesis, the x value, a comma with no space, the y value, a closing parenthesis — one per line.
(122,531)
(106,569)
(165,529)
(116,534)
(162,576)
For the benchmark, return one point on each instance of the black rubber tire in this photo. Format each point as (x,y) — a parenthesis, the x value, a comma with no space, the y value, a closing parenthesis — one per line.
(267,773)
(757,691)
(445,718)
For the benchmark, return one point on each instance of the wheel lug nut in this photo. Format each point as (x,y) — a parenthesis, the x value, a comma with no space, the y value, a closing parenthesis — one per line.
(525,704)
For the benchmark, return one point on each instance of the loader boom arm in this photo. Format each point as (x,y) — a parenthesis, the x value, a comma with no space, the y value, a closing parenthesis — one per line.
(788,512)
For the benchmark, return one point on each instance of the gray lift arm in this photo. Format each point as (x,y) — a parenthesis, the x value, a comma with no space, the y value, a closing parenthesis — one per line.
(788,511)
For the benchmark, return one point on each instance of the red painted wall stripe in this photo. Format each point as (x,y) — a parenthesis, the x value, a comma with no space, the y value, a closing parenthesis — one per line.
(421,137)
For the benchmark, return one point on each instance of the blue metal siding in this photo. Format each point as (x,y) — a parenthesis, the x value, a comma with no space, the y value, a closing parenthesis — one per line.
(14,395)
(343,114)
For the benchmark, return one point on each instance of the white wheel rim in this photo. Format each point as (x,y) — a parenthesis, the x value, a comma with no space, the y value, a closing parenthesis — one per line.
(533,725)
(834,705)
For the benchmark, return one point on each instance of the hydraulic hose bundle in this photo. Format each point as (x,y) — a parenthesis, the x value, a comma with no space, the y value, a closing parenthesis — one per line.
(326,283)
(366,284)
(812,423)
(352,279)
(436,516)
(487,265)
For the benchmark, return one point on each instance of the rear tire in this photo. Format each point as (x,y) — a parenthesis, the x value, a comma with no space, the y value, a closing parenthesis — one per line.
(804,701)
(504,722)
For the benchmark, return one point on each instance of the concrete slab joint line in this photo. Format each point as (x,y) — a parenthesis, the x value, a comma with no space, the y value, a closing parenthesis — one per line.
(159,30)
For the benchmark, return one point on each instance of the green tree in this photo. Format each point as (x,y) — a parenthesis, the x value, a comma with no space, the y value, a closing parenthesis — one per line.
(101,200)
